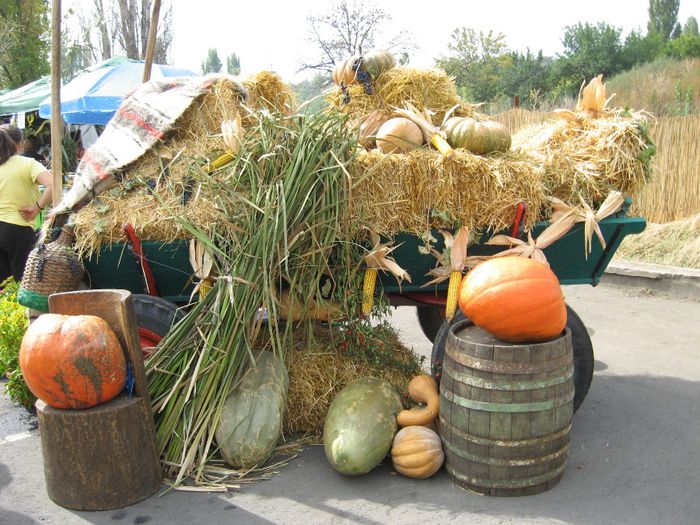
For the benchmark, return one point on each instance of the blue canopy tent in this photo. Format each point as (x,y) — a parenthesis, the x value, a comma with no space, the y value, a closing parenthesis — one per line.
(94,97)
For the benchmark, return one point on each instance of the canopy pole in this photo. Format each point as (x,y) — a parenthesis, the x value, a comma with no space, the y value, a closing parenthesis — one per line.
(151,44)
(56,119)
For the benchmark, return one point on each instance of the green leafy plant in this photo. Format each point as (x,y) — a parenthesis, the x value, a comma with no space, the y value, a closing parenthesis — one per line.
(13,324)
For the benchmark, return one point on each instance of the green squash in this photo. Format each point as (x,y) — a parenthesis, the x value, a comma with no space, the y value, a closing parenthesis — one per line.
(360,425)
(477,136)
(377,62)
(253,413)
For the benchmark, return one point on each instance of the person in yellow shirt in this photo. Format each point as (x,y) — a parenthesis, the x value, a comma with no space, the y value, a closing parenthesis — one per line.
(20,202)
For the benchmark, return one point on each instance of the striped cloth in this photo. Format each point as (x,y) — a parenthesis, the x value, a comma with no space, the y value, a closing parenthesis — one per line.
(143,119)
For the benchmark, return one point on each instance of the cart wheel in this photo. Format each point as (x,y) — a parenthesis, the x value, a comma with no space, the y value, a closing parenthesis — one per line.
(154,317)
(583,353)
(430,319)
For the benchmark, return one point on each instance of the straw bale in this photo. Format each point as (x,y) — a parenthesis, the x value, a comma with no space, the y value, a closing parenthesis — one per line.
(430,89)
(317,374)
(590,156)
(396,192)
(154,190)
(266,89)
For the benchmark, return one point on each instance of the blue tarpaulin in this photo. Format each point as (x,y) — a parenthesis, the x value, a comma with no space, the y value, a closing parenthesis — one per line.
(94,97)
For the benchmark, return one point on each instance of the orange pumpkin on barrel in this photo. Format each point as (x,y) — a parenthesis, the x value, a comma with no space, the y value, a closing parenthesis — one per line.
(515,299)
(72,361)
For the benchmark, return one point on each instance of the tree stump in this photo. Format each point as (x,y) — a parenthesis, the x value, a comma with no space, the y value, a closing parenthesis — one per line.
(103,457)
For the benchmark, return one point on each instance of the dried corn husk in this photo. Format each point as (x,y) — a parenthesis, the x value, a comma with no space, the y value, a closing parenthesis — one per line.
(612,204)
(378,259)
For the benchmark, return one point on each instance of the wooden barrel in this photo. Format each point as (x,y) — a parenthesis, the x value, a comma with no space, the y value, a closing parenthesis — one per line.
(505,411)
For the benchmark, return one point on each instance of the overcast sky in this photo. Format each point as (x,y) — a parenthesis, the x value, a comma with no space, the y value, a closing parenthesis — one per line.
(272,34)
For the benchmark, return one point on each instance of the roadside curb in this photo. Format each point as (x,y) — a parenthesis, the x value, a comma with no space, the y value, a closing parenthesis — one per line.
(672,280)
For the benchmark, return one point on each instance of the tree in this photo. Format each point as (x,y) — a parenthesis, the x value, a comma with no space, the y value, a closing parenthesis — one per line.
(24,50)
(527,77)
(350,27)
(212,63)
(476,61)
(107,29)
(639,49)
(663,15)
(691,27)
(677,31)
(589,50)
(233,64)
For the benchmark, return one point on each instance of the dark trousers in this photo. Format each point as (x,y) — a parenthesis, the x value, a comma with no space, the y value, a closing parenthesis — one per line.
(15,244)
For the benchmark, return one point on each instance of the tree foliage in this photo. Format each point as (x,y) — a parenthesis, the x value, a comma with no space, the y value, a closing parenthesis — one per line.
(212,62)
(477,61)
(691,27)
(24,50)
(233,64)
(663,15)
(350,27)
(589,50)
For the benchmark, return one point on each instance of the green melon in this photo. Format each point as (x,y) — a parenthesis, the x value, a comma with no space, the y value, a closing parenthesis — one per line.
(360,425)
(253,413)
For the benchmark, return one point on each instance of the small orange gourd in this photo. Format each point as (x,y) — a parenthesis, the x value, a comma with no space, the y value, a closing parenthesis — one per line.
(345,72)
(72,361)
(417,452)
(423,389)
(516,299)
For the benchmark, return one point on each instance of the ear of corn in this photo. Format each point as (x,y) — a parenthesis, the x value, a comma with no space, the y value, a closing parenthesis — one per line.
(451,305)
(220,161)
(369,284)
(440,144)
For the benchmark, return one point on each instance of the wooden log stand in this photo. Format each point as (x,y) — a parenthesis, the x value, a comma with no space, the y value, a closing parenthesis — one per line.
(104,457)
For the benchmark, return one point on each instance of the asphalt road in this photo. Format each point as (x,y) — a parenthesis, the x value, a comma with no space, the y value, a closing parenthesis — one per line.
(635,451)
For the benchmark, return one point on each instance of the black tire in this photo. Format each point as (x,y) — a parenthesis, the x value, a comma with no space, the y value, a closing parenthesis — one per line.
(584,360)
(155,313)
(430,319)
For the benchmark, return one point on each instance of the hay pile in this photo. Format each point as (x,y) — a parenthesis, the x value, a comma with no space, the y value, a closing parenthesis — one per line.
(590,156)
(317,374)
(402,192)
(675,243)
(424,88)
(170,181)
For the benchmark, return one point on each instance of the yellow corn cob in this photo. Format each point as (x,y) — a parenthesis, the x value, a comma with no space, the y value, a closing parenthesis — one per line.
(221,160)
(451,305)
(205,287)
(368,290)
(441,145)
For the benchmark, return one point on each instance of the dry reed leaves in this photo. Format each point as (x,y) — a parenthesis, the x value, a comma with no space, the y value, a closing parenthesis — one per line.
(589,156)
(317,374)
(675,243)
(396,193)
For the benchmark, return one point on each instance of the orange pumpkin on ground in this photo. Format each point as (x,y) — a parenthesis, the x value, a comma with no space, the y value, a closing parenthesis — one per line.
(72,361)
(516,299)
(417,452)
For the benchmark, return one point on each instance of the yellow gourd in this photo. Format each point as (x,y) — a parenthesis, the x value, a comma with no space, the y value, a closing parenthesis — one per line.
(344,72)
(423,389)
(417,452)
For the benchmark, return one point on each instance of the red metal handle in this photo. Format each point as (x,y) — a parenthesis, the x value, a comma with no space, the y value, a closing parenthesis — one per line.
(519,216)
(143,262)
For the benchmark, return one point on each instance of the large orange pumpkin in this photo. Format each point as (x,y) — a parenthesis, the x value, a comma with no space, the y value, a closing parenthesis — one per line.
(516,299)
(72,361)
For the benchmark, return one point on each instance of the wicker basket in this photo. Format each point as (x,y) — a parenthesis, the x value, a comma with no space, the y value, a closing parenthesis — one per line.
(51,268)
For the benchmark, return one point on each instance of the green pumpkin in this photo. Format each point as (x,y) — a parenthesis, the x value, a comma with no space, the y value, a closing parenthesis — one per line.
(360,425)
(477,136)
(377,62)
(251,420)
